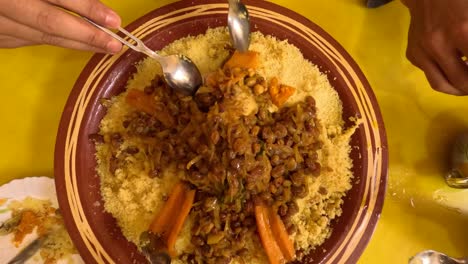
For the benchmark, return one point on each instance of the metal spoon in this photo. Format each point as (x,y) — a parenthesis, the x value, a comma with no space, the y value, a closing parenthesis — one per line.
(151,248)
(29,251)
(156,258)
(434,257)
(239,25)
(180,73)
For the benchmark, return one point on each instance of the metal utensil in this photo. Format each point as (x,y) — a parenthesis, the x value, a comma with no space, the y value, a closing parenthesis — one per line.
(239,25)
(458,174)
(156,258)
(180,73)
(434,257)
(28,251)
(151,247)
(10,224)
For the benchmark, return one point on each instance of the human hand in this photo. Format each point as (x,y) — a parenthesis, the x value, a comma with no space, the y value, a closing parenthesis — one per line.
(437,41)
(34,22)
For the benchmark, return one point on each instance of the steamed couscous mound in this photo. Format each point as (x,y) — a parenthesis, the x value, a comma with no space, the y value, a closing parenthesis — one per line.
(134,189)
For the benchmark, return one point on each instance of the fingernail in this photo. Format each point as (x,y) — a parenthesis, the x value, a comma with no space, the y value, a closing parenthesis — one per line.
(113,47)
(112,19)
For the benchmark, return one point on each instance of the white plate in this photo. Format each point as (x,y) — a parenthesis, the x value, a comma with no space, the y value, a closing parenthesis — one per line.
(36,187)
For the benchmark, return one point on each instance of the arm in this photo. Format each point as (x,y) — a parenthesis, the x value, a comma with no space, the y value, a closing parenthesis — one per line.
(32,22)
(437,41)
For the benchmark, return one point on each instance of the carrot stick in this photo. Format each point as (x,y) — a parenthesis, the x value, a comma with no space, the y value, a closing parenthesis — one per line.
(163,222)
(141,101)
(281,235)
(245,60)
(170,220)
(179,221)
(273,251)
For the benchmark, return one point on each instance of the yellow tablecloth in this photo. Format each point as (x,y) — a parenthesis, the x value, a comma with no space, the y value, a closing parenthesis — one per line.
(420,123)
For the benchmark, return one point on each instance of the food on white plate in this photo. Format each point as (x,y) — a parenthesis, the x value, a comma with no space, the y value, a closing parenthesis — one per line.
(28,210)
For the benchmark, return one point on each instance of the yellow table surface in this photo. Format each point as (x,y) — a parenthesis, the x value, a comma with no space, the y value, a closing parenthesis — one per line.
(420,123)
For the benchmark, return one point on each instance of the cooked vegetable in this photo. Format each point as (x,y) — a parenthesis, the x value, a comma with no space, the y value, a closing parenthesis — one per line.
(279,93)
(245,60)
(146,103)
(170,220)
(141,101)
(29,221)
(281,235)
(179,220)
(270,244)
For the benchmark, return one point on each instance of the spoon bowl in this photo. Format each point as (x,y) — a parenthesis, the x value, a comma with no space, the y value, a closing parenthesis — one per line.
(434,257)
(181,74)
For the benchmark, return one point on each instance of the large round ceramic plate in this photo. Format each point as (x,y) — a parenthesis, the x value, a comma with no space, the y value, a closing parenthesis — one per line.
(96,233)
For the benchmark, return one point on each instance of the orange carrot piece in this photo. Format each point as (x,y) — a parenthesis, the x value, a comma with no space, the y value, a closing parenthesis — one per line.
(141,101)
(279,93)
(170,220)
(245,60)
(179,221)
(281,235)
(273,251)
(284,93)
(29,220)
(146,103)
(163,221)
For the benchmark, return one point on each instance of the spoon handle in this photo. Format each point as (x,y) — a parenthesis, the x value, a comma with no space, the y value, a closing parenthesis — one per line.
(28,251)
(140,46)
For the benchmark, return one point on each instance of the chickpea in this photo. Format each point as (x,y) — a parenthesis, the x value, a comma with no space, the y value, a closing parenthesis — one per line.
(259,89)
(250,82)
